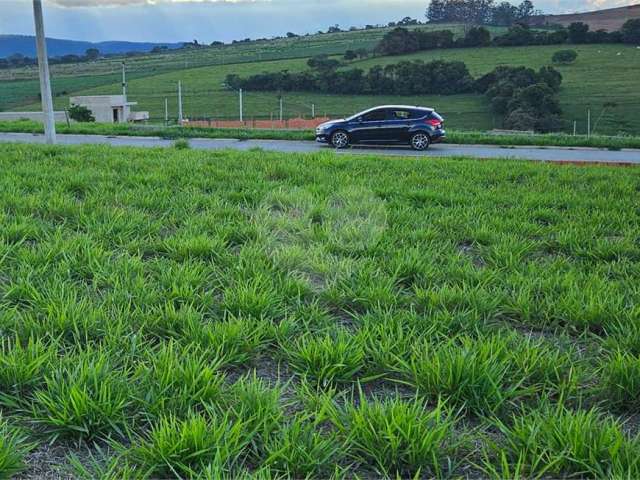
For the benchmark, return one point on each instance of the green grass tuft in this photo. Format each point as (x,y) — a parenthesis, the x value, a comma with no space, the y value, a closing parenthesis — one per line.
(14,446)
(400,438)
(327,360)
(556,441)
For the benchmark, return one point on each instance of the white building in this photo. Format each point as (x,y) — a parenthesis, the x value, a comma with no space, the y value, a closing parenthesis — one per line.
(110,108)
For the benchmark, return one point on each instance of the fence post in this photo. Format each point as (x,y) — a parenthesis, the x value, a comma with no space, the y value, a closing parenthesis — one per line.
(180,102)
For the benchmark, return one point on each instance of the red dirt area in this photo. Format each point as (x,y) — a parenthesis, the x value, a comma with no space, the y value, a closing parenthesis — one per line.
(610,19)
(290,124)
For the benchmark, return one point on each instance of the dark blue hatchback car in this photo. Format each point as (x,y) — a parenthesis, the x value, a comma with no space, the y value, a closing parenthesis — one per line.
(389,124)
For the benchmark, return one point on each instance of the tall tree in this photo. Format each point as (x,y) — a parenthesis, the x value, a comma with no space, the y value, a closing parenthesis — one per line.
(437,11)
(505,14)
(526,10)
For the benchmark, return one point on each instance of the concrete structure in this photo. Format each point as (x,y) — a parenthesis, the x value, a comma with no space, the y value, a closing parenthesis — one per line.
(59,117)
(45,81)
(110,108)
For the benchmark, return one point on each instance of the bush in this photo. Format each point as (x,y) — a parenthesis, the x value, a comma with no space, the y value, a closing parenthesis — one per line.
(81,114)
(181,144)
(400,40)
(526,97)
(350,55)
(630,31)
(476,37)
(521,120)
(564,57)
(578,32)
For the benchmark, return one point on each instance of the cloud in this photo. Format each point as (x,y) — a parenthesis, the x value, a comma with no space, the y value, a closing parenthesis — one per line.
(128,3)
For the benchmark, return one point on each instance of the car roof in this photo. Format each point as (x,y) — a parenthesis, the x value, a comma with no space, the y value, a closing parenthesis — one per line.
(391,107)
(399,107)
(403,107)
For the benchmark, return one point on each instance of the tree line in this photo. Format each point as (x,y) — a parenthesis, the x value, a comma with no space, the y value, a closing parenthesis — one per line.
(19,60)
(524,97)
(401,40)
(480,12)
(404,78)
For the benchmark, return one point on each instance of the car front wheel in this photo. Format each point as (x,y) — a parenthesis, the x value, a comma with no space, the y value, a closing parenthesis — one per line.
(340,139)
(420,141)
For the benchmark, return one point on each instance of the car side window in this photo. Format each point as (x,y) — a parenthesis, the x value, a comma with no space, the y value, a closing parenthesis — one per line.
(375,116)
(401,115)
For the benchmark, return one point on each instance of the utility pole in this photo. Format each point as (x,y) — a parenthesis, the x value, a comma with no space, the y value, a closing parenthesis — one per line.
(166,111)
(313,110)
(575,128)
(45,83)
(124,83)
(241,106)
(179,102)
(588,123)
(281,108)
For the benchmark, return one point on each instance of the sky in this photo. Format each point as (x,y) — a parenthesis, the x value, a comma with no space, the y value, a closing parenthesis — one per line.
(222,20)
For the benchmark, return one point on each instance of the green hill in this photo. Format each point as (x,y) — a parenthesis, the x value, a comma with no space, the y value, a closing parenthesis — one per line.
(20,86)
(604,78)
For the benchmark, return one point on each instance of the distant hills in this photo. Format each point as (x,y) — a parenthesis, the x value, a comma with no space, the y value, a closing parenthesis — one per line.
(26,45)
(610,19)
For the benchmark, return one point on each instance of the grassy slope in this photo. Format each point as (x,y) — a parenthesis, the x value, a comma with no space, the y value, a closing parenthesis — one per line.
(73,77)
(453,136)
(599,76)
(138,286)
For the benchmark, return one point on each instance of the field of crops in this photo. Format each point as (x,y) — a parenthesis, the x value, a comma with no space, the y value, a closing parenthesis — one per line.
(173,313)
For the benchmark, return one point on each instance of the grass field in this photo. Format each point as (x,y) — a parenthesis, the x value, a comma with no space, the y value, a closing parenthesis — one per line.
(173,313)
(453,136)
(20,86)
(257,51)
(600,79)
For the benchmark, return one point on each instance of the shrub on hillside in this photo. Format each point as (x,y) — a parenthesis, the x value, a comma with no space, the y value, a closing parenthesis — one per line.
(520,120)
(564,57)
(400,41)
(578,32)
(630,32)
(81,114)
(350,55)
(476,37)
(525,97)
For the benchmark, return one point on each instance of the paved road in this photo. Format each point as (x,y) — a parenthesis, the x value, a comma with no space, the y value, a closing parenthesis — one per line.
(548,154)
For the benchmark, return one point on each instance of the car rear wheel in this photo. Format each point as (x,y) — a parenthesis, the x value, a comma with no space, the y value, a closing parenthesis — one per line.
(420,141)
(340,139)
